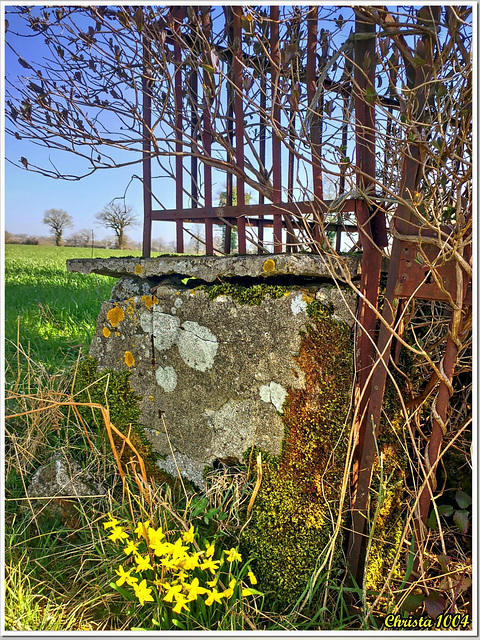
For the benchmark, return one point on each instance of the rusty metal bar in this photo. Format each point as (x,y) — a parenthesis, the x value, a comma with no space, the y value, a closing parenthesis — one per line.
(254,210)
(207,138)
(227,244)
(146,150)
(178,144)
(315,135)
(372,413)
(276,140)
(239,125)
(193,86)
(364,78)
(262,149)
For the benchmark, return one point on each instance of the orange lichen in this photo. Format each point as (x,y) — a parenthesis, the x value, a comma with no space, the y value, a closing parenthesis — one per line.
(130,310)
(149,301)
(106,332)
(129,359)
(269,265)
(115,316)
(138,269)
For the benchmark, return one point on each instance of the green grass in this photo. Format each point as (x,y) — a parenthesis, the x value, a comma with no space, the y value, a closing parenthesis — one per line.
(57,309)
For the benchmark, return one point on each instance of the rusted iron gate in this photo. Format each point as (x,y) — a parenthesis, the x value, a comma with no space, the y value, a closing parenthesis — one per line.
(279,214)
(380,332)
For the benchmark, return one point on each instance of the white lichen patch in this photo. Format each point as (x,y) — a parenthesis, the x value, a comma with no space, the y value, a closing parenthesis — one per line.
(178,303)
(189,468)
(298,304)
(146,322)
(233,428)
(166,378)
(273,393)
(165,330)
(197,345)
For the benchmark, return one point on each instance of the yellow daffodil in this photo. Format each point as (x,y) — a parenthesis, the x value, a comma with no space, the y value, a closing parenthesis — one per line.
(210,564)
(194,589)
(172,592)
(131,547)
(118,534)
(213,596)
(181,576)
(247,592)
(189,536)
(143,593)
(113,522)
(154,536)
(190,562)
(228,593)
(124,575)
(178,550)
(142,529)
(160,548)
(168,563)
(210,550)
(212,583)
(143,563)
(252,578)
(181,604)
(233,555)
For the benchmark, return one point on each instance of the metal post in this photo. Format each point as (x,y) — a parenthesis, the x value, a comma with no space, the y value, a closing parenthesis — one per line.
(146,150)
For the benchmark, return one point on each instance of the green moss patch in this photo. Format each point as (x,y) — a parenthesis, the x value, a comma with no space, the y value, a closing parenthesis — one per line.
(298,502)
(253,295)
(292,517)
(112,389)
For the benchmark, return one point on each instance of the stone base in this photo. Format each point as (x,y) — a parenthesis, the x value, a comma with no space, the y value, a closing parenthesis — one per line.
(213,374)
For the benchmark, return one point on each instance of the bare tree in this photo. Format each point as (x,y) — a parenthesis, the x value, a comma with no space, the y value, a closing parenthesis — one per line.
(58,220)
(82,238)
(117,217)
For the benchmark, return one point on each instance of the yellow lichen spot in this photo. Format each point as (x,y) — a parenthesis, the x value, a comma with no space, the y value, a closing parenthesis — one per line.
(115,316)
(130,310)
(138,269)
(155,300)
(148,301)
(269,265)
(287,293)
(117,333)
(306,298)
(152,398)
(129,359)
(106,332)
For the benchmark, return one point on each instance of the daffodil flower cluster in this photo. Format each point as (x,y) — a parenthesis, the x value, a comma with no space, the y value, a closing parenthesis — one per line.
(177,571)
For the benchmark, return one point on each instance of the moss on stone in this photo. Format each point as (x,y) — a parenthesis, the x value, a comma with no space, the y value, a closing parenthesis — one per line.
(291,520)
(253,295)
(112,389)
(298,502)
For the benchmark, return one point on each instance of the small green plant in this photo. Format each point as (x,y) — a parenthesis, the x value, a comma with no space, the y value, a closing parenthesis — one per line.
(182,581)
(461,516)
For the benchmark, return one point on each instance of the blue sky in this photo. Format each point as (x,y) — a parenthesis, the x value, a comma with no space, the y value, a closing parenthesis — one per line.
(28,194)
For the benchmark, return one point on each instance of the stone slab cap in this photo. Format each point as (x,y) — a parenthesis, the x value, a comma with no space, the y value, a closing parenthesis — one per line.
(210,268)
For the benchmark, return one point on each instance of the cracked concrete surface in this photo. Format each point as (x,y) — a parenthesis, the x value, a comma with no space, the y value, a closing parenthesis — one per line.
(216,370)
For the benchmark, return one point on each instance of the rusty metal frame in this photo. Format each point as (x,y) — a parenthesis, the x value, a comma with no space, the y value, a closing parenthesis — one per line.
(414,253)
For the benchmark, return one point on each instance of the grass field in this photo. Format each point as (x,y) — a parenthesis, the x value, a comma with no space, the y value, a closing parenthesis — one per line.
(59,565)
(57,310)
